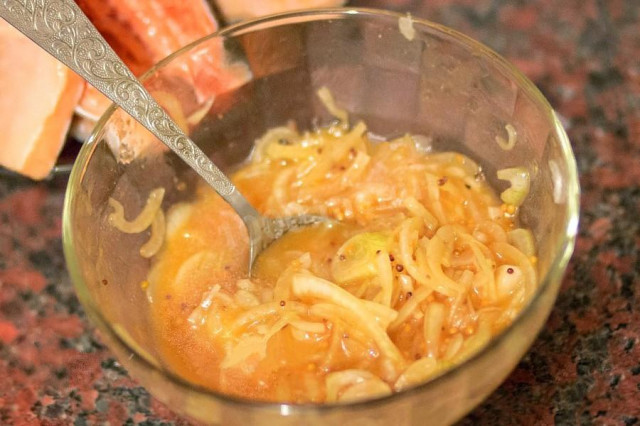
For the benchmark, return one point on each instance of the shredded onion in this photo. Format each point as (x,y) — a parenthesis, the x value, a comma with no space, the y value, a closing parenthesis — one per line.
(435,257)
(409,307)
(355,259)
(176,216)
(352,385)
(487,231)
(273,139)
(151,247)
(143,220)
(360,320)
(433,323)
(385,276)
(408,235)
(282,289)
(417,209)
(330,104)
(454,346)
(508,145)
(522,239)
(520,182)
(245,299)
(509,278)
(384,315)
(151,215)
(416,373)
(511,255)
(405,23)
(260,312)
(309,327)
(475,342)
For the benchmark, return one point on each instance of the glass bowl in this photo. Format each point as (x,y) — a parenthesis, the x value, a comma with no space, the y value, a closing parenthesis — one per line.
(440,84)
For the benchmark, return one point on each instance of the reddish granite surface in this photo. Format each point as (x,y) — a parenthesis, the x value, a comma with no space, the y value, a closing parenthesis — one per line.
(585,366)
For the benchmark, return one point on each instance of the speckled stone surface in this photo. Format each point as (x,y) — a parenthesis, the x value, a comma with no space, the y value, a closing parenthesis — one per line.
(583,369)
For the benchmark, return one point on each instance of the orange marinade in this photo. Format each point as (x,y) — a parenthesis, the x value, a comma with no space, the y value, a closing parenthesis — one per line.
(422,265)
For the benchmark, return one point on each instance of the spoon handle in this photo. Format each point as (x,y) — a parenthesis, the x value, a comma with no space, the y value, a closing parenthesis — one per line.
(64,31)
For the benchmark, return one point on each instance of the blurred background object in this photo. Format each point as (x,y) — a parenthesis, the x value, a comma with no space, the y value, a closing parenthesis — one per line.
(37,98)
(237,10)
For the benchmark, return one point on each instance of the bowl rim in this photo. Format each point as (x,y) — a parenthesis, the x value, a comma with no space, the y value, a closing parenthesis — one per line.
(556,269)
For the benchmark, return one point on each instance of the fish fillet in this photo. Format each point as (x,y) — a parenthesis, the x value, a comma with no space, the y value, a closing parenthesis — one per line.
(142,33)
(37,98)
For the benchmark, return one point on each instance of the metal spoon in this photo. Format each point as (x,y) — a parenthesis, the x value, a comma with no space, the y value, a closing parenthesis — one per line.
(65,32)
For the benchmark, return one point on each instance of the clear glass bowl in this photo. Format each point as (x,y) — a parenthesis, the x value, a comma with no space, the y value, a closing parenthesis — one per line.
(440,84)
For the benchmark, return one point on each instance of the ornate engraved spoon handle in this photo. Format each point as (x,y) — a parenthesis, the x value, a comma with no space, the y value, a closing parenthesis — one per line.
(63,30)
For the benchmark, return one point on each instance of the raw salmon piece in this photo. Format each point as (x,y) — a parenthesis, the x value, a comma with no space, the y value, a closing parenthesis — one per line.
(37,98)
(142,32)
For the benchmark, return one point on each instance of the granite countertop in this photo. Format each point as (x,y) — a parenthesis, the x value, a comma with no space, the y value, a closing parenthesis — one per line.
(584,368)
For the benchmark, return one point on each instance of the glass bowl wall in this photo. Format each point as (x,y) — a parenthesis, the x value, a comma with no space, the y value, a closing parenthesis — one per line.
(440,84)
